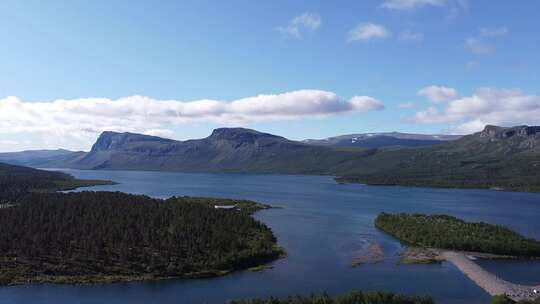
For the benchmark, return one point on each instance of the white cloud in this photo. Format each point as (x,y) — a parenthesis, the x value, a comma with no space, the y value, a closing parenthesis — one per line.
(438,93)
(366,103)
(493,32)
(407,105)
(368,31)
(486,106)
(477,46)
(76,123)
(408,35)
(8,142)
(164,133)
(304,22)
(411,4)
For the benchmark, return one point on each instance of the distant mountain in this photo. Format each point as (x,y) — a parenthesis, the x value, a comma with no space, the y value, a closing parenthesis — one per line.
(497,157)
(383,140)
(33,157)
(225,150)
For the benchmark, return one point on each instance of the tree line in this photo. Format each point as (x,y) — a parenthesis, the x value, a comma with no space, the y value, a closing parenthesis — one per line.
(93,236)
(447,232)
(355,297)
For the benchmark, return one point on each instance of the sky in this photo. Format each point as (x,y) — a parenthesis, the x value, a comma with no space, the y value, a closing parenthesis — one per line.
(70,70)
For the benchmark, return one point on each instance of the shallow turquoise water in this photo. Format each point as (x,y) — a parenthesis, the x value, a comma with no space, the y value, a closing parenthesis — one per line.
(322,225)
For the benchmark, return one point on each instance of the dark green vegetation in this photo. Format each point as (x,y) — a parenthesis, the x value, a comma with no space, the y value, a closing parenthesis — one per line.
(499,158)
(16,181)
(506,300)
(447,232)
(91,237)
(356,297)
(505,158)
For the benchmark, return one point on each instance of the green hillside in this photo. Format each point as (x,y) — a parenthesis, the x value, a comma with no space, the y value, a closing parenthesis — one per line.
(447,232)
(505,158)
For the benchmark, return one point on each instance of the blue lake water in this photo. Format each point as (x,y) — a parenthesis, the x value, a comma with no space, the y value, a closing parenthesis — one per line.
(322,225)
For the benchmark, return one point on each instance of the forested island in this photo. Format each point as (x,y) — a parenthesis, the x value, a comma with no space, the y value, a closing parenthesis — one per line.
(92,237)
(359,297)
(356,297)
(447,232)
(98,237)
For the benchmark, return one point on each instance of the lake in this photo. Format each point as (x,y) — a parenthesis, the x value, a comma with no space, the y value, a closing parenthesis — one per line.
(322,225)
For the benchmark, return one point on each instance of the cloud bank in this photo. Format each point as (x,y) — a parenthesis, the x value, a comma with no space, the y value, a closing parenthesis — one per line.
(80,120)
(506,107)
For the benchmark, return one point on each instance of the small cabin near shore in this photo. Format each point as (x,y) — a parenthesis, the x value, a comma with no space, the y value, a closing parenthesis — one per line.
(226,207)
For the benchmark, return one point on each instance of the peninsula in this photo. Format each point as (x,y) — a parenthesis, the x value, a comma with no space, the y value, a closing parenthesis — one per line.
(101,237)
(444,237)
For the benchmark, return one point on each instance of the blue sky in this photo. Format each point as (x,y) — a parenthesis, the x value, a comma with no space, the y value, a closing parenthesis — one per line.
(482,56)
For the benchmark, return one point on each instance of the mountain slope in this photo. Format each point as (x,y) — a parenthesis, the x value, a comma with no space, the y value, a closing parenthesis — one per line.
(33,157)
(225,150)
(497,157)
(383,140)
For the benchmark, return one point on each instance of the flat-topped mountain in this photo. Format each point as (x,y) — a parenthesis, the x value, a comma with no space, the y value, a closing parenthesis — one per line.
(496,157)
(383,140)
(113,140)
(226,149)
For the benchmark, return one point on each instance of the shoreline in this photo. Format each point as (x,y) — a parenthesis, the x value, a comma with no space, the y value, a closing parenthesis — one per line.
(101,279)
(464,262)
(15,270)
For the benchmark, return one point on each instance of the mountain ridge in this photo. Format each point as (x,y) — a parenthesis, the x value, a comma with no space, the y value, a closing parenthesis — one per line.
(383,140)
(225,149)
(496,157)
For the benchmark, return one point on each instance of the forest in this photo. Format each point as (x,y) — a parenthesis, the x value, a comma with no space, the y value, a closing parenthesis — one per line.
(91,237)
(447,232)
(355,297)
(16,181)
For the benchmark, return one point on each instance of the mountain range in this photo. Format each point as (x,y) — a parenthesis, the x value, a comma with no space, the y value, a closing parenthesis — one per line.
(225,150)
(383,140)
(33,157)
(496,157)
